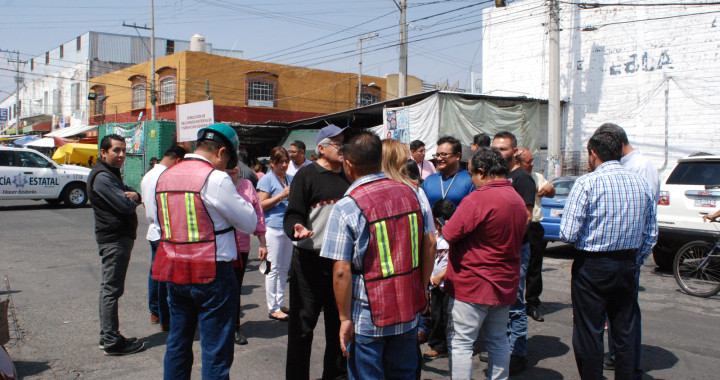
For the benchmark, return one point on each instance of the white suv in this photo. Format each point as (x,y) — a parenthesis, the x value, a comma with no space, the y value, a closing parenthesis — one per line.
(28,174)
(690,191)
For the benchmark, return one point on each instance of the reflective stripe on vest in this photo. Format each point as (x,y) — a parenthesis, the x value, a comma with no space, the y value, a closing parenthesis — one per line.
(414,239)
(166,216)
(192,223)
(383,244)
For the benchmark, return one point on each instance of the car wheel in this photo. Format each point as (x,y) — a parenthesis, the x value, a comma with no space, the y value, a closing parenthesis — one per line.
(663,258)
(75,196)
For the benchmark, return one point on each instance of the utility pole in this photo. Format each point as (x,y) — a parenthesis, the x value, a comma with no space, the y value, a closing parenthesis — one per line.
(18,81)
(368,36)
(554,165)
(402,80)
(153,93)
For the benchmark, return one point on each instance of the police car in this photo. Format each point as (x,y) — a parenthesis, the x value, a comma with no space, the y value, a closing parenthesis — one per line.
(28,174)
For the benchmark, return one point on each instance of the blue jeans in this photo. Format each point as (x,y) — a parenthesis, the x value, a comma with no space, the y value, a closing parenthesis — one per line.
(517,324)
(212,306)
(157,292)
(465,321)
(384,357)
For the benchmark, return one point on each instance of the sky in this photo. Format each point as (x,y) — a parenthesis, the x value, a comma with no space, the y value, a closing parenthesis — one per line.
(444,35)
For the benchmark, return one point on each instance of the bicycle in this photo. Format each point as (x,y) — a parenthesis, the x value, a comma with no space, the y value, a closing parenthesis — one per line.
(697,267)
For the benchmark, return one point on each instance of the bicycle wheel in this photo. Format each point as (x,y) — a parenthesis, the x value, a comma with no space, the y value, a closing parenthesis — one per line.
(697,274)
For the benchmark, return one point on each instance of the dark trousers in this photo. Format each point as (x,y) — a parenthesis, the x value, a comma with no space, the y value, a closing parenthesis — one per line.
(637,372)
(239,276)
(438,320)
(311,292)
(115,261)
(603,285)
(533,280)
(157,291)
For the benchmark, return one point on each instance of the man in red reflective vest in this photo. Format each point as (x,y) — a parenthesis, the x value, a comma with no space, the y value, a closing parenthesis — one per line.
(198,212)
(381,235)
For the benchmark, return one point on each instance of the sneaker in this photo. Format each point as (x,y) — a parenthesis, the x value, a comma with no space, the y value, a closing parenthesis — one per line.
(154,319)
(432,354)
(422,337)
(517,364)
(483,356)
(240,338)
(123,348)
(101,343)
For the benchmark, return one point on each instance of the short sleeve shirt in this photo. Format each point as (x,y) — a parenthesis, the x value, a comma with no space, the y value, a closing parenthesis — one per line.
(453,188)
(271,184)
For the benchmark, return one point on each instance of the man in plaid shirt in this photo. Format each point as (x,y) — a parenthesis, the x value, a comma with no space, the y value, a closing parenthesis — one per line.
(610,217)
(373,351)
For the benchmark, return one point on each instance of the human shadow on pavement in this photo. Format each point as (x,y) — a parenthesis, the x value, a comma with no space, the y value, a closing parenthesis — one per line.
(267,329)
(159,339)
(247,290)
(28,368)
(551,307)
(657,358)
(543,347)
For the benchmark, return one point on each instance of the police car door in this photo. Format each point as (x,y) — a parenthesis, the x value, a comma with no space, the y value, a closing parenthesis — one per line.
(40,178)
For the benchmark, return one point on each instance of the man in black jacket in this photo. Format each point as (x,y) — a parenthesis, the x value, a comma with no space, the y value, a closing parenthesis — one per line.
(116,223)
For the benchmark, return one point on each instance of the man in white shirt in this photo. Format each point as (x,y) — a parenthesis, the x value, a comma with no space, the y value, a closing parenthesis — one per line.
(198,211)
(157,292)
(297,157)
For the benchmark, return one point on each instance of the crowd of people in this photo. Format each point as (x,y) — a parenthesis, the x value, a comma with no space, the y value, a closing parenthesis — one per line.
(392,249)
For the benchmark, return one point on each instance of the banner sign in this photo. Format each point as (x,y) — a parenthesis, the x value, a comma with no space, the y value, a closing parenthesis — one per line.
(193,116)
(397,124)
(134,137)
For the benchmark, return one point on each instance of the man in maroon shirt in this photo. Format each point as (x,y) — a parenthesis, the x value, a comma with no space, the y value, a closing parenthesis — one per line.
(483,264)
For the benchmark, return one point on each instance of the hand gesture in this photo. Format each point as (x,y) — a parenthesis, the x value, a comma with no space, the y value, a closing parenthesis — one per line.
(347,334)
(132,195)
(262,253)
(545,190)
(301,232)
(285,192)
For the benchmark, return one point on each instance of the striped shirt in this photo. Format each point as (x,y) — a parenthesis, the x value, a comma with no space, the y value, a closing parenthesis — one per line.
(610,209)
(346,238)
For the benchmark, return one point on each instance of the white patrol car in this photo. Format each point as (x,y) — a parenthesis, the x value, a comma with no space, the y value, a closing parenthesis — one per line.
(28,174)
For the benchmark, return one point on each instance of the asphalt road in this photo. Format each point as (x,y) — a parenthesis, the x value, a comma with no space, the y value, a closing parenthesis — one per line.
(50,259)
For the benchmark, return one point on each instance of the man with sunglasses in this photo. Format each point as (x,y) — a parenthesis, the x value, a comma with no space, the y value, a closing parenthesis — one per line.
(450,182)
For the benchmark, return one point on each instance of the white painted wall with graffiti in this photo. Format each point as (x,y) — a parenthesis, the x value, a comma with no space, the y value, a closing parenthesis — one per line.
(654,70)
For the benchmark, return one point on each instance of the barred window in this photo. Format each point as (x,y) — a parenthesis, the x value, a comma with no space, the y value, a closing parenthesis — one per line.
(367,99)
(167,90)
(99,105)
(138,96)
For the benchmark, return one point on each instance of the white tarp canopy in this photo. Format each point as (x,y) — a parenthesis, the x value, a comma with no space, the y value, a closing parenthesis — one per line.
(444,114)
(71,131)
(45,142)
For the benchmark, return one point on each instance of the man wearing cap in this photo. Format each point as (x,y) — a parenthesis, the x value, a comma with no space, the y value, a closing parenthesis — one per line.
(314,191)
(198,211)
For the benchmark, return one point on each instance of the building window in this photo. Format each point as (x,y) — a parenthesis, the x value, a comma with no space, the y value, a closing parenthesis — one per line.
(32,63)
(138,96)
(261,90)
(98,96)
(57,101)
(367,99)
(62,51)
(167,90)
(75,97)
(78,43)
(47,58)
(170,47)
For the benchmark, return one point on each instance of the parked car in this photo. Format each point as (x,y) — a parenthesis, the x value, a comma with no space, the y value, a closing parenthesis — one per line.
(552,208)
(690,191)
(28,174)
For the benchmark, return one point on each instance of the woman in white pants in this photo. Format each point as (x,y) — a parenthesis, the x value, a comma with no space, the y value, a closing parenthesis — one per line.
(273,190)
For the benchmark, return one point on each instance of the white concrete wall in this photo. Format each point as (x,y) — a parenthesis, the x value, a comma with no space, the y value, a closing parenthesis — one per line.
(33,95)
(618,73)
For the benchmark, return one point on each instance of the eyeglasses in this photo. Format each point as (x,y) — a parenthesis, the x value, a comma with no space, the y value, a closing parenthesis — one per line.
(293,151)
(443,154)
(335,144)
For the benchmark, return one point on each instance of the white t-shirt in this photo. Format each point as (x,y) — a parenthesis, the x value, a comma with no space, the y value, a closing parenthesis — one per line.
(147,187)
(292,168)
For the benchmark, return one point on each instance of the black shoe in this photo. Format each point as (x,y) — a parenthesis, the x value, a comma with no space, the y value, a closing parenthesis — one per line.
(483,356)
(240,338)
(517,364)
(609,363)
(101,343)
(535,313)
(123,348)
